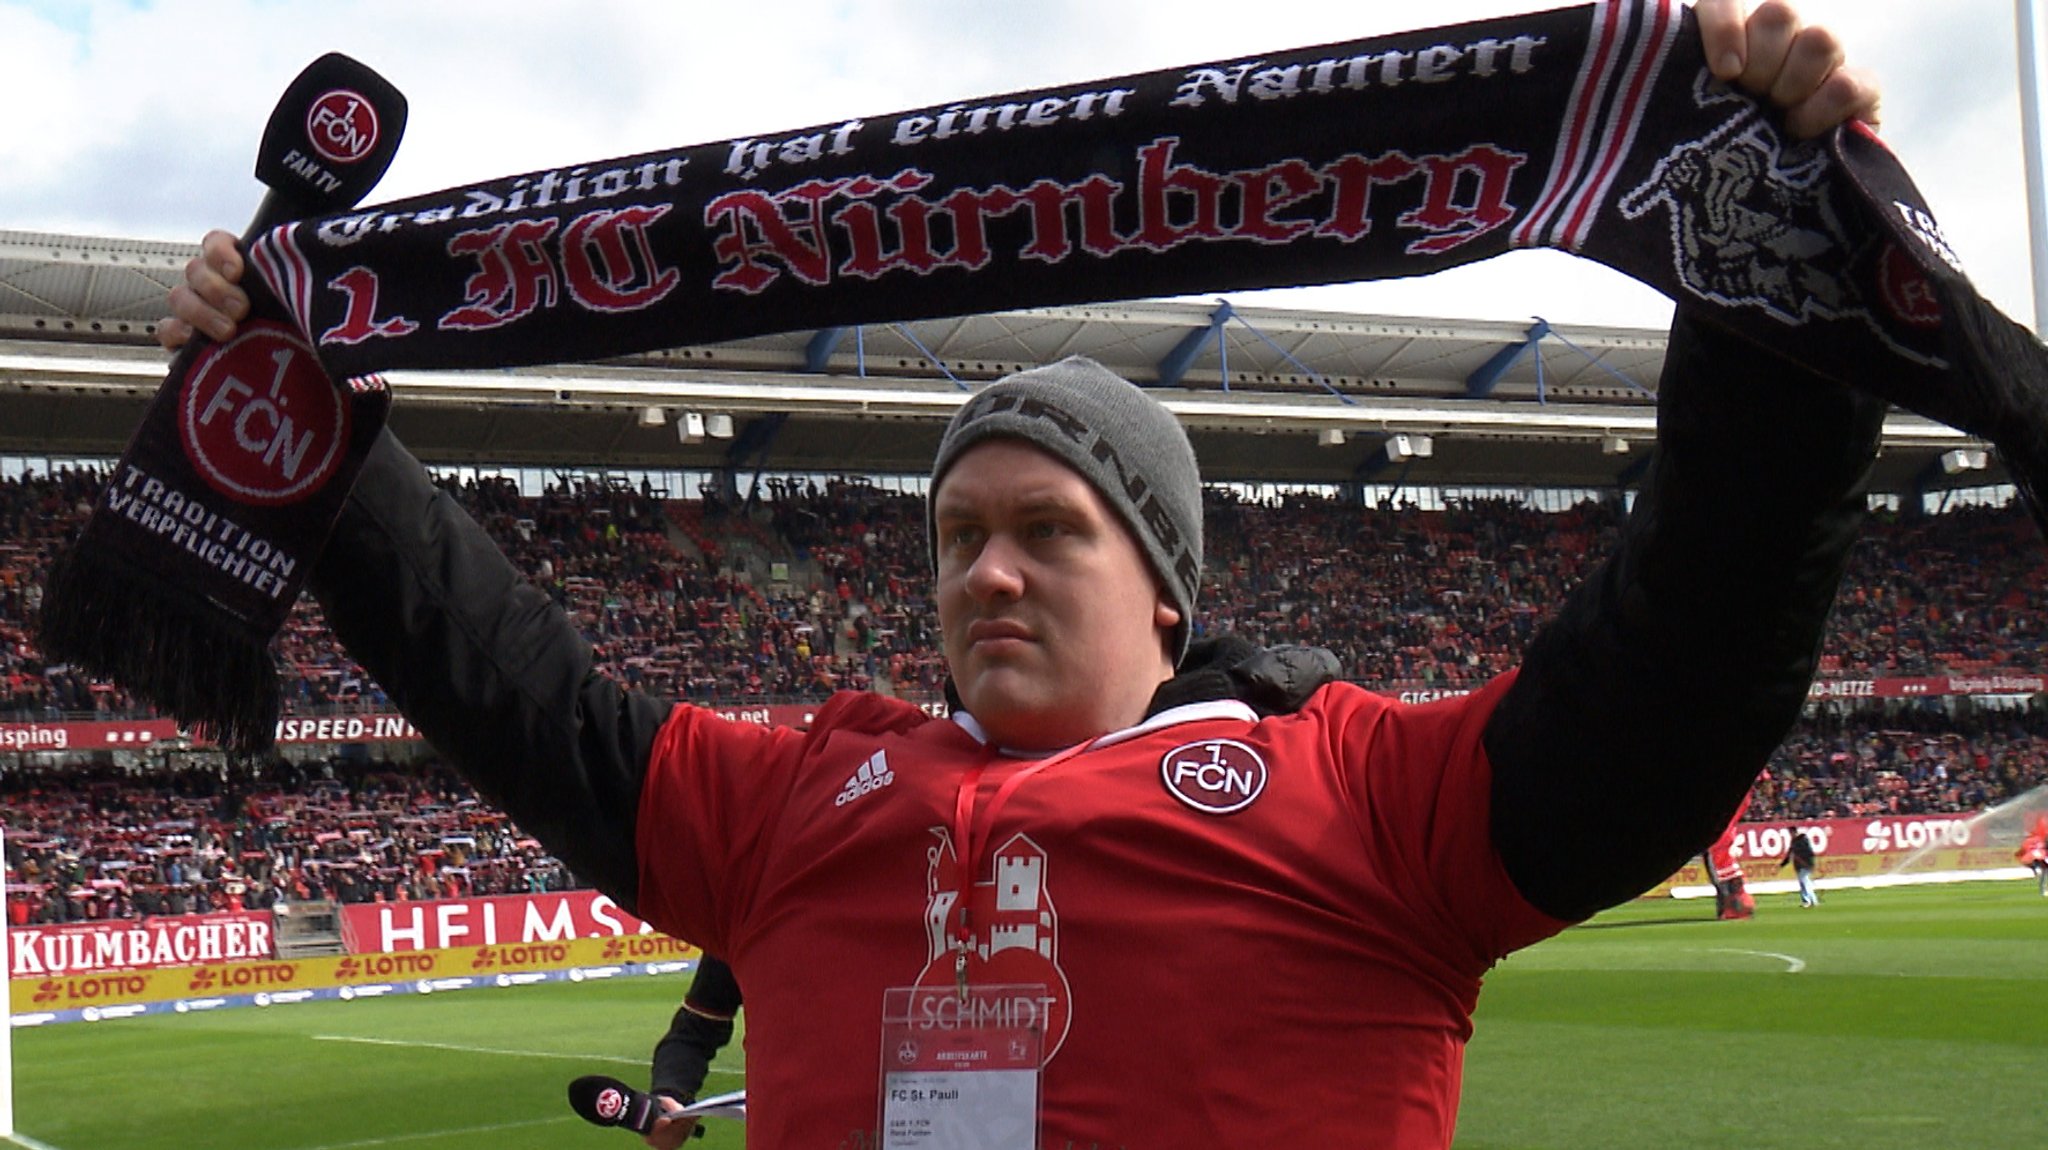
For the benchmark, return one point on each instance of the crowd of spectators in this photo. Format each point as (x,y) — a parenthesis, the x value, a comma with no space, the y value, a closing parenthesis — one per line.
(1407,599)
(1918,759)
(88,842)
(651,585)
(37,515)
(91,842)
(800,589)
(868,548)
(1955,593)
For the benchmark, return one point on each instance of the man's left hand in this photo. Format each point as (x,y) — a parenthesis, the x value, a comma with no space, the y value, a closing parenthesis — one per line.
(1798,67)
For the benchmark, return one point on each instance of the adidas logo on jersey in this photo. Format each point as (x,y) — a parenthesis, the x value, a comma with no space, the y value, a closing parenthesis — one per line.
(873,775)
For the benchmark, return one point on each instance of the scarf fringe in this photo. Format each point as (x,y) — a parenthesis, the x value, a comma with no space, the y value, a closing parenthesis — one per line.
(211,673)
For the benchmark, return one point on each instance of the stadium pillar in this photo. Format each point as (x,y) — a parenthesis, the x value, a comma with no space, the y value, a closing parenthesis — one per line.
(726,481)
(2033,36)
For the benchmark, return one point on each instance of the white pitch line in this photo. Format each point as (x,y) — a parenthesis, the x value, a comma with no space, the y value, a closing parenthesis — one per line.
(365,1041)
(1792,965)
(477,1049)
(396,1139)
(29,1143)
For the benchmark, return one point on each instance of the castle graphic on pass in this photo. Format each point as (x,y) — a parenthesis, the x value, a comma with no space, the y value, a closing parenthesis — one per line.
(1013,927)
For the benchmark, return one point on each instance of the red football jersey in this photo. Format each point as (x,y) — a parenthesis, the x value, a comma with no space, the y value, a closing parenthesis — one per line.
(1251,931)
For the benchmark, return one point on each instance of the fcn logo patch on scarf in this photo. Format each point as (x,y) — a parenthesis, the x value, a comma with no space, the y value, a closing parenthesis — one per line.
(259,421)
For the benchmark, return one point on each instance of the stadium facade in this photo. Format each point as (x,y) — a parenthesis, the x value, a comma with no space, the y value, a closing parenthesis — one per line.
(1278,397)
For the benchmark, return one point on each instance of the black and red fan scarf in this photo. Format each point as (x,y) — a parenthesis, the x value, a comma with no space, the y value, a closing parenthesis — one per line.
(1595,130)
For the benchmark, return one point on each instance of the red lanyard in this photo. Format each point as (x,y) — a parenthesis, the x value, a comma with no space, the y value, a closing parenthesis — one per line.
(971,831)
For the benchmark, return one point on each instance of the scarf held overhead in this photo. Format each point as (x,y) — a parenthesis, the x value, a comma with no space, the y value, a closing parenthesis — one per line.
(1595,130)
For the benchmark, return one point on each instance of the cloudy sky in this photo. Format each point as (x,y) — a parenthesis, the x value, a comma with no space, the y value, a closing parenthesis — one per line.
(139,118)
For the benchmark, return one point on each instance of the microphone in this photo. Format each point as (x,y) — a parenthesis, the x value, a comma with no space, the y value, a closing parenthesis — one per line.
(328,142)
(606,1101)
(603,1101)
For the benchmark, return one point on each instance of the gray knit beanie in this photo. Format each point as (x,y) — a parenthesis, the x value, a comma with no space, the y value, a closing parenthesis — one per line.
(1121,440)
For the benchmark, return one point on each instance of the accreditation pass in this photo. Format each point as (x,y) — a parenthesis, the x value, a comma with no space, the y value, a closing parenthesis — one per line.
(960,1070)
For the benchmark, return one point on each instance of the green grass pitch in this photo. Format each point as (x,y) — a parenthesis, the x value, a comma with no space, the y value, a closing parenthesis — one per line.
(1903,1018)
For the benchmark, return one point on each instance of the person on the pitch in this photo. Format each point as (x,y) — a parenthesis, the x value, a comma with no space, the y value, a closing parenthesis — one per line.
(2034,852)
(1052,879)
(1732,900)
(1800,857)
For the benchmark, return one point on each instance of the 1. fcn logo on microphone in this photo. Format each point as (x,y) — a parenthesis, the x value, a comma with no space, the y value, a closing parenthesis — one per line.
(260,421)
(342,126)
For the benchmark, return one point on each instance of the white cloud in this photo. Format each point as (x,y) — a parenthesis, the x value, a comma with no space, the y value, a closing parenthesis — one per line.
(40,73)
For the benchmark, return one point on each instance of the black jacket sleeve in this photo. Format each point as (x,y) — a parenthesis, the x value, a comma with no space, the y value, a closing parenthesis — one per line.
(702,1026)
(488,668)
(1645,709)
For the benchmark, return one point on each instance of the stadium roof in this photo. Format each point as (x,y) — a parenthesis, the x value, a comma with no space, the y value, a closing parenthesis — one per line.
(1268,394)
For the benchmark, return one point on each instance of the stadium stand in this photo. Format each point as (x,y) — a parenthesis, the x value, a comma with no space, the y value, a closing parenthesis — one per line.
(1407,599)
(91,842)
(813,588)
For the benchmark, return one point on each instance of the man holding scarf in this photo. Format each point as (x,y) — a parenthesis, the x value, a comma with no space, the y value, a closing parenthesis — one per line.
(1006,926)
